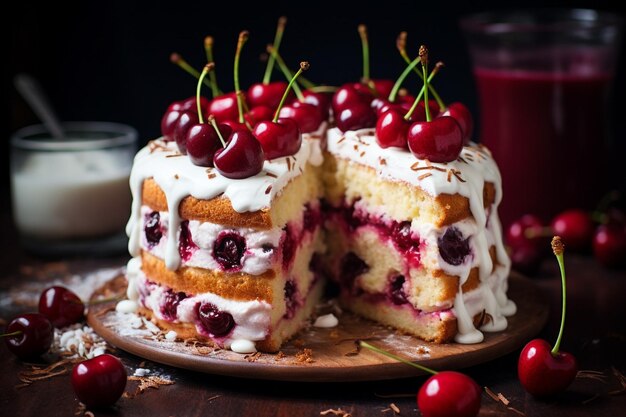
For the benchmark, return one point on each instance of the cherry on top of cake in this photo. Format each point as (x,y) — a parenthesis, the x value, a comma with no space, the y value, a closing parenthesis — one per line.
(236,132)
(427,128)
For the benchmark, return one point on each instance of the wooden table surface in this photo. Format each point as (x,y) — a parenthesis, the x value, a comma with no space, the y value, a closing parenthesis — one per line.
(595,333)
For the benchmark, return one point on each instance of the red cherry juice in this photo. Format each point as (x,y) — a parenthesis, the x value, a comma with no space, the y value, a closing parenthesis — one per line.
(548,133)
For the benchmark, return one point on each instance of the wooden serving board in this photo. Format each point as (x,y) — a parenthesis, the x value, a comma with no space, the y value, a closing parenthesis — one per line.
(317,354)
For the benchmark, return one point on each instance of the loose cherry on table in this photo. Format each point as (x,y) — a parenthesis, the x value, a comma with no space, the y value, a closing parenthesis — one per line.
(609,244)
(445,393)
(100,381)
(575,228)
(544,371)
(281,136)
(29,335)
(61,306)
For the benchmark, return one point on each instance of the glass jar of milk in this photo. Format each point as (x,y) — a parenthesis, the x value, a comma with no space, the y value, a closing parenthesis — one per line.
(72,195)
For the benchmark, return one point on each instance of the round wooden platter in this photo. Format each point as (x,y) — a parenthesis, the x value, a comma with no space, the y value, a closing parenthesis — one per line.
(318,354)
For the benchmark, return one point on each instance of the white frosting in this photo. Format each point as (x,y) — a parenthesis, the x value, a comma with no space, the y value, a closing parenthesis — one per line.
(127,306)
(326,321)
(242,346)
(179,178)
(255,260)
(466,176)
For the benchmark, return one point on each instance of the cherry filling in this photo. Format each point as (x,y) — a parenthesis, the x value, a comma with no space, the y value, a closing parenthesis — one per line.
(396,290)
(399,233)
(152,228)
(228,250)
(351,267)
(312,218)
(186,246)
(291,298)
(169,309)
(289,246)
(215,322)
(452,247)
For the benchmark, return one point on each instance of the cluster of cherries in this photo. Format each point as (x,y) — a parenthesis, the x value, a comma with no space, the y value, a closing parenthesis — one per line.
(428,128)
(526,237)
(244,128)
(543,370)
(98,382)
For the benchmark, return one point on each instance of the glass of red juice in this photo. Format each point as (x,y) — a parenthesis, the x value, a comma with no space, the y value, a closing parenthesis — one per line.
(544,80)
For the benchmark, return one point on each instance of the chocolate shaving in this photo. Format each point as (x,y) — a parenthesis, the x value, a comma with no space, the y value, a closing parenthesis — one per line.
(253,357)
(280,355)
(415,166)
(502,398)
(147,382)
(174,155)
(356,147)
(449,176)
(269,174)
(338,412)
(362,154)
(341,139)
(423,176)
(457,174)
(288,160)
(492,394)
(382,161)
(394,408)
(215,397)
(176,176)
(268,189)
(212,175)
(460,159)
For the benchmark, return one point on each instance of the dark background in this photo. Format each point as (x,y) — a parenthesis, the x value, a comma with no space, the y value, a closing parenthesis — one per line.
(110,60)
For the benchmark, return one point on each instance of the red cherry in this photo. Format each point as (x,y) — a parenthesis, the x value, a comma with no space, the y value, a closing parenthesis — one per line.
(464,118)
(34,335)
(61,306)
(224,107)
(235,126)
(241,158)
(382,106)
(526,258)
(609,244)
(320,100)
(266,94)
(525,231)
(420,111)
(100,381)
(258,114)
(170,121)
(203,142)
(449,394)
(356,116)
(347,96)
(575,228)
(280,138)
(383,87)
(186,120)
(190,104)
(439,140)
(307,116)
(543,374)
(392,129)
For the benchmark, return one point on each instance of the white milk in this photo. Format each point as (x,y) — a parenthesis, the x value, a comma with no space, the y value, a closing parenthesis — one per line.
(71,194)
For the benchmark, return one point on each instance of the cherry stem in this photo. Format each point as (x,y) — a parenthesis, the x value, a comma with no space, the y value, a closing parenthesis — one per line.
(278,36)
(208,48)
(323,88)
(434,72)
(366,53)
(401,78)
(207,68)
(219,134)
(15,333)
(423,54)
(558,248)
(243,37)
(401,45)
(285,70)
(175,58)
(398,358)
(304,65)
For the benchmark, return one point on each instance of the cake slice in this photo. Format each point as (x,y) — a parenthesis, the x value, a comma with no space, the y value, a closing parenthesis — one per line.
(222,259)
(413,244)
